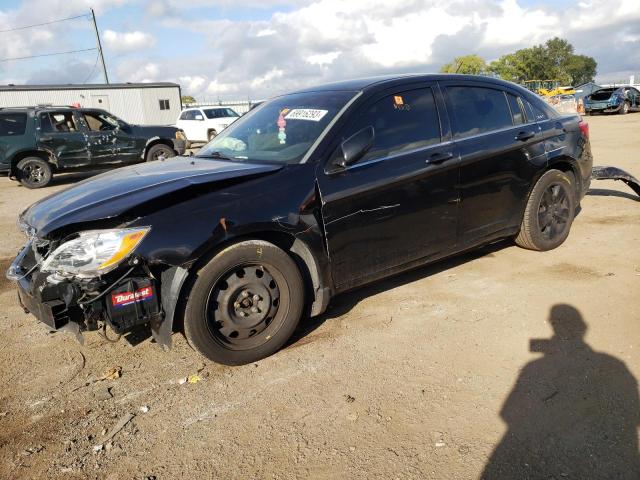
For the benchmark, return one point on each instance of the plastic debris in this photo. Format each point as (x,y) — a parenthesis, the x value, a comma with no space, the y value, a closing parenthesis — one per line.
(144,409)
(112,373)
(194,378)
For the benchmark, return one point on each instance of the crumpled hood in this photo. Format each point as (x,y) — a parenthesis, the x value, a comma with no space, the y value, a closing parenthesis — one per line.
(112,193)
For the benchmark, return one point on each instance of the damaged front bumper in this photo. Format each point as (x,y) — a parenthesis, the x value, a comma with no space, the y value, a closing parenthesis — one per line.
(128,298)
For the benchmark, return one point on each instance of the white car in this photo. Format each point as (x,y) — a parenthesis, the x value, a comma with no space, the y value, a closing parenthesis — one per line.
(201,124)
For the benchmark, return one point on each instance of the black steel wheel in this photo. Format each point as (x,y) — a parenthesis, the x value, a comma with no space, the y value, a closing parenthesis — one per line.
(34,172)
(159,151)
(549,212)
(244,304)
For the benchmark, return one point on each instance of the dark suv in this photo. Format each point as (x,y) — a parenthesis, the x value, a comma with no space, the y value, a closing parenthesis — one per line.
(310,194)
(35,142)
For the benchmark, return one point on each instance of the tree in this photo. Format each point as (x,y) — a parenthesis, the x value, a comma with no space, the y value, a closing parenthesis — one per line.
(187,99)
(553,60)
(468,64)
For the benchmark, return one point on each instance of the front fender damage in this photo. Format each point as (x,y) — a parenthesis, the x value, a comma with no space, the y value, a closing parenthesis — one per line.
(599,172)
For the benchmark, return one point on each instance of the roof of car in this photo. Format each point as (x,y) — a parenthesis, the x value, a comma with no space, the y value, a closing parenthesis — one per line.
(383,80)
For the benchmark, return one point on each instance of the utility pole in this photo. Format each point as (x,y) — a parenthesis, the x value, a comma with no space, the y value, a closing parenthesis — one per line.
(104,67)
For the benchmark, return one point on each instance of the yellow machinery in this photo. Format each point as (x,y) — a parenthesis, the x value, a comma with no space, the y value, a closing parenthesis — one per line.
(548,88)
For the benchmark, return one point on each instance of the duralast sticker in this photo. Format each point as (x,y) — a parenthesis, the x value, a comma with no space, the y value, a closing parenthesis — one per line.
(126,298)
(306,114)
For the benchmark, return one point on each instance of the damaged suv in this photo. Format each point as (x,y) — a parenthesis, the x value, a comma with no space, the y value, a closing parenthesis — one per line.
(309,195)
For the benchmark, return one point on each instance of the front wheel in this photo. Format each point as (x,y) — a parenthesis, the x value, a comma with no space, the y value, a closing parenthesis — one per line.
(159,151)
(244,304)
(34,172)
(211,135)
(624,109)
(549,212)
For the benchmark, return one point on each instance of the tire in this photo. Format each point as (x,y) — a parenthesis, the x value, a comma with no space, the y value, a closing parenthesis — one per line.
(244,304)
(549,212)
(624,109)
(211,135)
(34,172)
(159,150)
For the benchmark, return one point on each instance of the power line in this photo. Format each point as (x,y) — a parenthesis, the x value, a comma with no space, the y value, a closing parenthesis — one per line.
(93,69)
(45,23)
(47,54)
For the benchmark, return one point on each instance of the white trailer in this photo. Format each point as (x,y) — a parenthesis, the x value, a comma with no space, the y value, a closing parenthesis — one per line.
(136,103)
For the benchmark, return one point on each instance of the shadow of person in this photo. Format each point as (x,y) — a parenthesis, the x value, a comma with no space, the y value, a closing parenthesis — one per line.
(572,414)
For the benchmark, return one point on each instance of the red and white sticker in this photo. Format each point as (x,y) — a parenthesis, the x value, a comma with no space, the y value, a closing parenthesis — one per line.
(127,298)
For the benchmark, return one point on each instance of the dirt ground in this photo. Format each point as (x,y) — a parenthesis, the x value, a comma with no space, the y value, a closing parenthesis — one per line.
(432,374)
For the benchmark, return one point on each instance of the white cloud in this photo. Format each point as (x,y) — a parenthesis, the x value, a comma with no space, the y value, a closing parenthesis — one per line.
(127,41)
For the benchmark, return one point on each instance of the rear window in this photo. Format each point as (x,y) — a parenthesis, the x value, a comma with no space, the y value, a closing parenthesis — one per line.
(478,110)
(12,124)
(516,109)
(220,113)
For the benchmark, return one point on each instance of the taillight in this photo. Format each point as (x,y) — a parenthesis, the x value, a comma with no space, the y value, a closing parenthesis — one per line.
(584,128)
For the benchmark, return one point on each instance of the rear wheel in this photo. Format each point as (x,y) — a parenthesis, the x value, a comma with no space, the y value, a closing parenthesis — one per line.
(159,151)
(549,212)
(34,172)
(245,303)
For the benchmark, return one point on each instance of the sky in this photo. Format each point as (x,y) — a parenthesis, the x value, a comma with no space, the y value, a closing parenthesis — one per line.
(254,49)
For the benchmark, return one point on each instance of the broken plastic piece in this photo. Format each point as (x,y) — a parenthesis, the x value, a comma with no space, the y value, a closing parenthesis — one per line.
(613,173)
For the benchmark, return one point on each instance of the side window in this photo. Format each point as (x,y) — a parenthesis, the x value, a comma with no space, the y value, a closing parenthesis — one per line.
(57,122)
(534,114)
(516,109)
(98,122)
(184,115)
(12,124)
(402,122)
(164,105)
(477,110)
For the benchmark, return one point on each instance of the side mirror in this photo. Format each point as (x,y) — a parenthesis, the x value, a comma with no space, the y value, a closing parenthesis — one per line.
(123,126)
(355,147)
(199,117)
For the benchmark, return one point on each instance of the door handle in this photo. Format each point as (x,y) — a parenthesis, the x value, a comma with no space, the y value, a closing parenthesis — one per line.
(46,139)
(440,157)
(524,136)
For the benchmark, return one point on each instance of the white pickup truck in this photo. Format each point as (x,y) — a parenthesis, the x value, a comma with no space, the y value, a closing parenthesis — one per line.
(201,124)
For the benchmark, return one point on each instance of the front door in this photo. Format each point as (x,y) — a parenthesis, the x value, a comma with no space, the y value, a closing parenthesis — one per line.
(61,134)
(398,204)
(103,142)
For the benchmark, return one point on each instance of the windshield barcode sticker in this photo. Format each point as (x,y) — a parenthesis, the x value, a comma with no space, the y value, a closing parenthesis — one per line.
(306,114)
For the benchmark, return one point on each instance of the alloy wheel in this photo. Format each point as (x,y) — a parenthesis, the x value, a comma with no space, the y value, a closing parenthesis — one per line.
(554,211)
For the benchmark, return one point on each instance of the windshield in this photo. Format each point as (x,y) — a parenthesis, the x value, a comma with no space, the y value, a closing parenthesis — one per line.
(281,130)
(220,112)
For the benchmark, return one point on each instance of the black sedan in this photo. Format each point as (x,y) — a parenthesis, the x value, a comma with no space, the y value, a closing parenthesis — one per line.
(308,195)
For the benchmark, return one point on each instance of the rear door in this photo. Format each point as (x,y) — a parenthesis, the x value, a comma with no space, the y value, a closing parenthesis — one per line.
(61,133)
(399,203)
(500,153)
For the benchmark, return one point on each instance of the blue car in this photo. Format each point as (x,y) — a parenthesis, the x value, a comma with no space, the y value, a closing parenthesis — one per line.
(613,100)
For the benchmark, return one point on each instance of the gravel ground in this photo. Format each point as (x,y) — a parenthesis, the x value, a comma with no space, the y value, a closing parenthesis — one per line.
(503,363)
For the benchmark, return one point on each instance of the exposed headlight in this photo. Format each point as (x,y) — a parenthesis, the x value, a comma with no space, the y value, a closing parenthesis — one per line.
(95,252)
(25,228)
(180,135)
